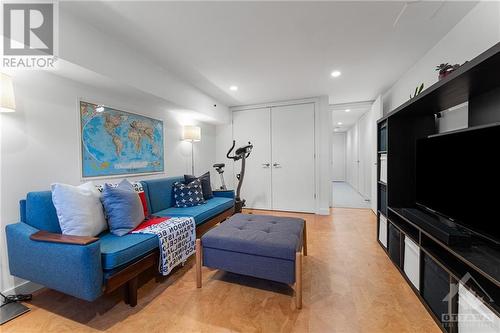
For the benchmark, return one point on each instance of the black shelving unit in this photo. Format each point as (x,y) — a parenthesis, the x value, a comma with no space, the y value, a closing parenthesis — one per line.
(441,267)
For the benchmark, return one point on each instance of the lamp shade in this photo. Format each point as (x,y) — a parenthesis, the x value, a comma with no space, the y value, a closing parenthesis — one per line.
(191,133)
(8,103)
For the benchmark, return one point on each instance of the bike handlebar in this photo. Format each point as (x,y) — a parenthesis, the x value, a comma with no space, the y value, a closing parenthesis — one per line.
(230,150)
(240,152)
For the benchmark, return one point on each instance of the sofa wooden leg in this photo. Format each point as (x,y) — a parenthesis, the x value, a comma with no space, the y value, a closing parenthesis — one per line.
(304,240)
(131,297)
(198,263)
(298,280)
(125,294)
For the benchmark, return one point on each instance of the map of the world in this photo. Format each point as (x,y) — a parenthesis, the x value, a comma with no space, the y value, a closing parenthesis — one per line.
(116,142)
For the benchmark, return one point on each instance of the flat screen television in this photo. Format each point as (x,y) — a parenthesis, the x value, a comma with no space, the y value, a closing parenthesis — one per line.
(458,177)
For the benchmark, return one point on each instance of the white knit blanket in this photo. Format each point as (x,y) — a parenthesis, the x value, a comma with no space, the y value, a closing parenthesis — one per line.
(176,236)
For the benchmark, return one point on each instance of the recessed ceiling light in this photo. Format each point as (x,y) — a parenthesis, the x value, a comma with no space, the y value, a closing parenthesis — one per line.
(339,123)
(347,110)
(336,73)
(233,88)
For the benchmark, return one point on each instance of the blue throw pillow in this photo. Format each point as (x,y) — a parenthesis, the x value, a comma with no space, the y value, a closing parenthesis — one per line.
(206,185)
(188,195)
(123,207)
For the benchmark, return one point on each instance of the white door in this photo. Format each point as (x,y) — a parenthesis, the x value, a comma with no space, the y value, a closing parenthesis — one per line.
(255,126)
(339,157)
(293,157)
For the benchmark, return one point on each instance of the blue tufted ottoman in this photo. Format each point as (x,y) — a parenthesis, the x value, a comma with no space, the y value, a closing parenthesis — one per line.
(262,246)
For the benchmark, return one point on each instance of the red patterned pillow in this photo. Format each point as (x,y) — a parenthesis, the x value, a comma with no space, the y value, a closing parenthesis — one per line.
(142,195)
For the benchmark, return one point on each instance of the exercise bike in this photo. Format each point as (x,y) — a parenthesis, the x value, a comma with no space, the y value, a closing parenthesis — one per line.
(219,167)
(242,154)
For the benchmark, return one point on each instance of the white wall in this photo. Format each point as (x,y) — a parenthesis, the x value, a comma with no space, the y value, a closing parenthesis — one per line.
(223,141)
(475,33)
(40,142)
(376,113)
(361,145)
(82,44)
(338,157)
(323,156)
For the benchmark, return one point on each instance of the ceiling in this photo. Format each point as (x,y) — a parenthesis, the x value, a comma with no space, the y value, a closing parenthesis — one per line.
(279,50)
(348,119)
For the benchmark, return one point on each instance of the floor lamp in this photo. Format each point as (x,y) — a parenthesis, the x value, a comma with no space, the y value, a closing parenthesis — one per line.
(7,100)
(10,306)
(191,134)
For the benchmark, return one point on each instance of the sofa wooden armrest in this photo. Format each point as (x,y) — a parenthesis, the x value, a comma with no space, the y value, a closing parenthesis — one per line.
(44,236)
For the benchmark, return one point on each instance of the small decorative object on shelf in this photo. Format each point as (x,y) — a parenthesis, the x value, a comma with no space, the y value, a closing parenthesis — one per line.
(418,90)
(445,69)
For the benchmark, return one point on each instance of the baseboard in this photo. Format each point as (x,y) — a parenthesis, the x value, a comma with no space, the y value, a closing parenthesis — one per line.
(25,287)
(323,211)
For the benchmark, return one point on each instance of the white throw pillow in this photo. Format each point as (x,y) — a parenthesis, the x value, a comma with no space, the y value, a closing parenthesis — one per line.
(79,209)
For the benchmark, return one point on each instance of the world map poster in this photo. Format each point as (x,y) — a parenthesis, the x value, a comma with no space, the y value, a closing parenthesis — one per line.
(116,142)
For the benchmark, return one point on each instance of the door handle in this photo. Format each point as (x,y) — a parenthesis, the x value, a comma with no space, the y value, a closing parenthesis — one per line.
(276,165)
(266,165)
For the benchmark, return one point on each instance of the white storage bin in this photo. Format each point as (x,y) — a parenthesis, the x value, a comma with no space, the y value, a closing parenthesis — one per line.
(383,168)
(473,315)
(382,231)
(412,262)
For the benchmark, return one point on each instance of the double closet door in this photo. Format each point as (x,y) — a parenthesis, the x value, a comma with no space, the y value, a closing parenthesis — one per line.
(280,172)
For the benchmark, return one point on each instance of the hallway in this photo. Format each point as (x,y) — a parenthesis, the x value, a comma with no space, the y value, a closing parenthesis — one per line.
(344,196)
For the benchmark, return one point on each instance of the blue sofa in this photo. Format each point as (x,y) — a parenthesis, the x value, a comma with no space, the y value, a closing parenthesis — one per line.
(87,267)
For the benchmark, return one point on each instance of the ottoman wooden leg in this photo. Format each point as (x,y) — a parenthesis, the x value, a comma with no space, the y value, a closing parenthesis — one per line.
(298,280)
(304,240)
(198,263)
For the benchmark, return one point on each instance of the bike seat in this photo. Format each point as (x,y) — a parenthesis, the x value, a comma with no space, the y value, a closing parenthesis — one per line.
(219,165)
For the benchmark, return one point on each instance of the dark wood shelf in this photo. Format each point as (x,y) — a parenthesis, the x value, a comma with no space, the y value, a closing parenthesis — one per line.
(398,212)
(471,79)
(405,228)
(483,258)
(449,260)
(458,269)
(477,266)
(415,291)
(479,256)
